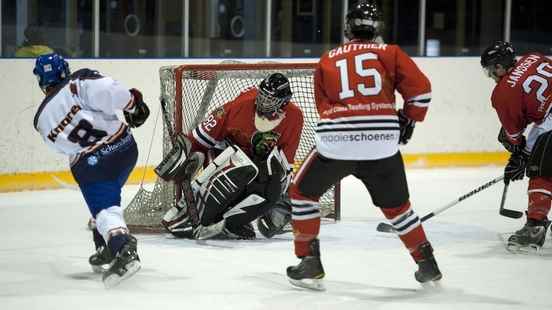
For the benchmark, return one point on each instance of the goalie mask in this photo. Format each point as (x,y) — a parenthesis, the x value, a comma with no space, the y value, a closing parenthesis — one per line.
(363,21)
(499,53)
(274,92)
(50,70)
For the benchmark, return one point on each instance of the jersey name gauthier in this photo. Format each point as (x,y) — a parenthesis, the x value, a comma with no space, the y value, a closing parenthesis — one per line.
(518,71)
(351,47)
(64,122)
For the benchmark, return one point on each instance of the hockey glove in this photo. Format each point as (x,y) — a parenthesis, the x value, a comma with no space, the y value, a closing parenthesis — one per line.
(275,220)
(406,126)
(508,145)
(141,111)
(515,169)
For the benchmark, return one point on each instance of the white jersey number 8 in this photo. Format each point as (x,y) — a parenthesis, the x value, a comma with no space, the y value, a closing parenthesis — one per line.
(346,91)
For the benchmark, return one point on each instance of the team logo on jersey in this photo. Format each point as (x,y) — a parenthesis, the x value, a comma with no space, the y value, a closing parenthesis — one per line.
(263,142)
(92,160)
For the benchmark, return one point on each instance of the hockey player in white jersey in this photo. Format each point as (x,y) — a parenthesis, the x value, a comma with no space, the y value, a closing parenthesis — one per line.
(87,116)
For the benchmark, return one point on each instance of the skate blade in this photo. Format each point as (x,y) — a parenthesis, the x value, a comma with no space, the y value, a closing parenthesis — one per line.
(516,248)
(114,279)
(99,269)
(311,284)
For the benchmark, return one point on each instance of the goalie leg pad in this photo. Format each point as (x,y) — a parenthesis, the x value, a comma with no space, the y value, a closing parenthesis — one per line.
(540,161)
(222,182)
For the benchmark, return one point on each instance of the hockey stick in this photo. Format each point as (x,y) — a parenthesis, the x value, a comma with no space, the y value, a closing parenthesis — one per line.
(507,212)
(186,187)
(385,227)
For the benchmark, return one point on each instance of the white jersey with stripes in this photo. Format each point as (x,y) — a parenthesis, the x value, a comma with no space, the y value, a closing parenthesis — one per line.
(83,113)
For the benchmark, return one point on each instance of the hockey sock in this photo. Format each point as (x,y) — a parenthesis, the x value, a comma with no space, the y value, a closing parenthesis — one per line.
(118,238)
(305,220)
(408,226)
(540,198)
(304,231)
(98,239)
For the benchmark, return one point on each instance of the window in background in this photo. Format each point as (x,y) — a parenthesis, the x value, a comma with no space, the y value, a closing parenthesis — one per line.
(400,23)
(33,27)
(227,28)
(306,28)
(140,28)
(531,26)
(462,27)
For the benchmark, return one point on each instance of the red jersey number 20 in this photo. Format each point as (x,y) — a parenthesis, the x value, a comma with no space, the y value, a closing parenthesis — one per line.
(542,81)
(346,91)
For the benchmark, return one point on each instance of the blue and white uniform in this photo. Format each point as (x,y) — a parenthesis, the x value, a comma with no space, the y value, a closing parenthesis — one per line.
(82,117)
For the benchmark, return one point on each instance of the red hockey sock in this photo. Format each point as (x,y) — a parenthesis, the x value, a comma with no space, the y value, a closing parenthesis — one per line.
(304,231)
(540,198)
(408,226)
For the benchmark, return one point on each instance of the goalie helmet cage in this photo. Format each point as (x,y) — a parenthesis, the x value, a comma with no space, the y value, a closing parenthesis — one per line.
(191,92)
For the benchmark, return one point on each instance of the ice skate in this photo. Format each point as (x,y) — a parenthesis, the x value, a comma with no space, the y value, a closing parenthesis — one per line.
(309,273)
(100,260)
(529,238)
(427,266)
(125,264)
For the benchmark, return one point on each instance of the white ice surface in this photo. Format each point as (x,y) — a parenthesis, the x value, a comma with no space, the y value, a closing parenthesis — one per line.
(44,249)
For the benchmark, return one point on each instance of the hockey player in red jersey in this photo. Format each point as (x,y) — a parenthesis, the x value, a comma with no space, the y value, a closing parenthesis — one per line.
(521,97)
(258,133)
(358,134)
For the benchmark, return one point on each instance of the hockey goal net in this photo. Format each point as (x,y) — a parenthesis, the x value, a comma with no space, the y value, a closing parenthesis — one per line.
(191,92)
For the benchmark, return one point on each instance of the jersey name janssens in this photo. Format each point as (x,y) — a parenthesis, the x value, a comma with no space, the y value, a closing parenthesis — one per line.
(523,96)
(82,115)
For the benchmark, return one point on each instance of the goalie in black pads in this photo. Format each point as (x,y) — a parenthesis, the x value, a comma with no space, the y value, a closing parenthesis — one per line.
(252,138)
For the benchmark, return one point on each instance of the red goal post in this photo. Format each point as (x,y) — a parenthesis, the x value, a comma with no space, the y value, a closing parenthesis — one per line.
(191,92)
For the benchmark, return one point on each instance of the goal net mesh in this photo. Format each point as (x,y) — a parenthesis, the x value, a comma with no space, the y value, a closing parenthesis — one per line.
(191,92)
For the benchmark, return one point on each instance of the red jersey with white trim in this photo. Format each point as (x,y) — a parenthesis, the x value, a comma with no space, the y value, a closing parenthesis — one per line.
(523,95)
(355,87)
(235,121)
(81,114)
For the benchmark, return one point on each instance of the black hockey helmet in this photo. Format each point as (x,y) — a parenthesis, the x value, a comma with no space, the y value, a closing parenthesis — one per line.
(499,53)
(274,93)
(363,21)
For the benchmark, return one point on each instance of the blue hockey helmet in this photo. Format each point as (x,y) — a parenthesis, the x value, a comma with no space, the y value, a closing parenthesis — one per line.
(50,70)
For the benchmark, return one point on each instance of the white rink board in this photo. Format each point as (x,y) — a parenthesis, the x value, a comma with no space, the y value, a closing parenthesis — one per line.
(460,118)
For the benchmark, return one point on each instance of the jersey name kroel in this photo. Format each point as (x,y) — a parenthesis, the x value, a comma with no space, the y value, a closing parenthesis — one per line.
(66,121)
(82,115)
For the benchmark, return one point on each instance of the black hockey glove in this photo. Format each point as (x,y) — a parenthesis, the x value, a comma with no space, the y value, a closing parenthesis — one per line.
(509,146)
(141,110)
(515,169)
(406,126)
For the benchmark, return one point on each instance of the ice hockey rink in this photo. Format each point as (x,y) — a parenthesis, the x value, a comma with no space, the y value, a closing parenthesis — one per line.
(44,249)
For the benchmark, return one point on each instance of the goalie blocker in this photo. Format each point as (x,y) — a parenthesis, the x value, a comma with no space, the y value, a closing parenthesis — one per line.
(231,192)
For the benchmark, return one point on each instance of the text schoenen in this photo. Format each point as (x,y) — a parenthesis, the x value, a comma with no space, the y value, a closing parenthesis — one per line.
(309,273)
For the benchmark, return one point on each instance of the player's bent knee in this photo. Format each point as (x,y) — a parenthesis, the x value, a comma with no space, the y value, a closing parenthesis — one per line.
(109,219)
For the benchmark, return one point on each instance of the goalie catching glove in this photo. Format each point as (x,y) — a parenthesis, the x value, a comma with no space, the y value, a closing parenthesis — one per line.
(140,113)
(274,221)
(179,165)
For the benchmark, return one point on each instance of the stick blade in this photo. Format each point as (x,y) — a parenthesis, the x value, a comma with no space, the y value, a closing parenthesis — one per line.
(511,213)
(384,227)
